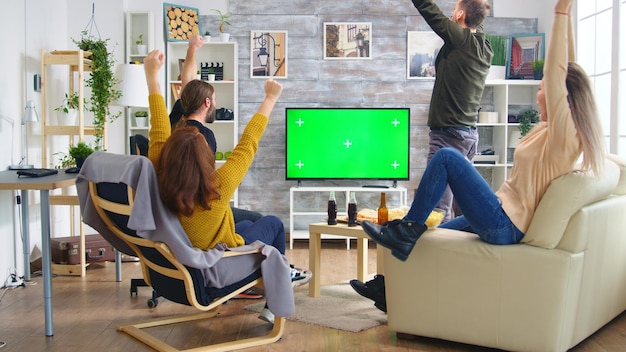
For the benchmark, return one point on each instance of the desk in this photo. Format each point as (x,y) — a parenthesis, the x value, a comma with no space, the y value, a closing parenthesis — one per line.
(10,181)
(315,247)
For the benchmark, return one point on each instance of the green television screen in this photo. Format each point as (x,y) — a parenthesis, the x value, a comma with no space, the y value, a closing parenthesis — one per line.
(347,143)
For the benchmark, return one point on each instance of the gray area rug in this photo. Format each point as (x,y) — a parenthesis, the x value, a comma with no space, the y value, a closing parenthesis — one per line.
(337,307)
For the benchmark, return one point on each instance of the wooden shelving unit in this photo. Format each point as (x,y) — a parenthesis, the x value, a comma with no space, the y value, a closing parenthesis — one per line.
(78,63)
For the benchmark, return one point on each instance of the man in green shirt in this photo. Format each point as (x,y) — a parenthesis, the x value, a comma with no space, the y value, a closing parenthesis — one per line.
(461,70)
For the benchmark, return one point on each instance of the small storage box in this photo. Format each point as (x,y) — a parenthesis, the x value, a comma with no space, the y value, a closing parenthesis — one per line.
(65,249)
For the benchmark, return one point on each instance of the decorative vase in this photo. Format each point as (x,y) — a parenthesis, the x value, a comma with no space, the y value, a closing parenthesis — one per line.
(497,72)
(141,121)
(67,119)
(142,49)
(224,37)
(79,162)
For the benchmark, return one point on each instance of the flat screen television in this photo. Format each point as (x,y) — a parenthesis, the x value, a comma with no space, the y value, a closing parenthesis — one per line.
(347,143)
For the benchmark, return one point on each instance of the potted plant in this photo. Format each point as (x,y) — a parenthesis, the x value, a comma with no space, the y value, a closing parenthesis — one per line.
(141,118)
(68,109)
(142,49)
(526,121)
(223,23)
(75,155)
(207,37)
(498,60)
(537,69)
(80,152)
(102,83)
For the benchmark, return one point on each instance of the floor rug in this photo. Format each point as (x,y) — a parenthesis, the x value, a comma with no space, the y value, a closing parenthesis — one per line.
(338,307)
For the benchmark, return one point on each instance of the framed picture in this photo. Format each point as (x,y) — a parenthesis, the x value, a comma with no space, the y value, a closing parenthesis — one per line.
(268,54)
(176,87)
(347,40)
(181,22)
(421,52)
(523,50)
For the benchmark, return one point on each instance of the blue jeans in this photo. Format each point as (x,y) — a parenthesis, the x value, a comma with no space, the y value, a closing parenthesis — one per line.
(482,211)
(463,139)
(268,229)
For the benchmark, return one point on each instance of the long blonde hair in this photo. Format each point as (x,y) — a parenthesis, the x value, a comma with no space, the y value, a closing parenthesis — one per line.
(586,118)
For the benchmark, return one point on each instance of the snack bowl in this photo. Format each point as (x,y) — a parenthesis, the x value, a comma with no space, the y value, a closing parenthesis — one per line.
(435,218)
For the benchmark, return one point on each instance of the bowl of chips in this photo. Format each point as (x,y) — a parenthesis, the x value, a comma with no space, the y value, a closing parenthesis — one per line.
(435,218)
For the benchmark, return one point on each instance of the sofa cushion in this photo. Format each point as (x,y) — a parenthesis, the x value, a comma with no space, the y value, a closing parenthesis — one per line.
(621,185)
(564,197)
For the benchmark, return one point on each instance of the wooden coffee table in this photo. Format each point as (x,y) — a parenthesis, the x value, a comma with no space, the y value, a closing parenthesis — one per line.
(315,247)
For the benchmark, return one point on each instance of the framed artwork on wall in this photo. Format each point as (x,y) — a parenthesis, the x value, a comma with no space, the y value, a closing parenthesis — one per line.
(421,52)
(268,54)
(181,22)
(523,51)
(347,40)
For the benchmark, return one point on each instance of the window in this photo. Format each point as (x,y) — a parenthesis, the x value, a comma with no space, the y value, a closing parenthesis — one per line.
(601,30)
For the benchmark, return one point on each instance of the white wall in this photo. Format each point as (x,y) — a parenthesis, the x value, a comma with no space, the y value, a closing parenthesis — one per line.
(541,9)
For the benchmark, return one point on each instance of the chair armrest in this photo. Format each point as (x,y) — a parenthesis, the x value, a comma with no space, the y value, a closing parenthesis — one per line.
(234,253)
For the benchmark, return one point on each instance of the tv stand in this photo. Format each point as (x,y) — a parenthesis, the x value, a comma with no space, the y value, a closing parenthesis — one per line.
(312,208)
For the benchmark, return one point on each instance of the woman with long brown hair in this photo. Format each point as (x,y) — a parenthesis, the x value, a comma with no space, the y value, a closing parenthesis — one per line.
(190,184)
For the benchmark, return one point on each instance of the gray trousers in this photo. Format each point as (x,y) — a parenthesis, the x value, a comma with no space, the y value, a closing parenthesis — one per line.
(463,139)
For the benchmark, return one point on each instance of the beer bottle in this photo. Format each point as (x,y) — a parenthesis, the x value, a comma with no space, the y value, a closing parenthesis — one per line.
(352,210)
(383,212)
(332,209)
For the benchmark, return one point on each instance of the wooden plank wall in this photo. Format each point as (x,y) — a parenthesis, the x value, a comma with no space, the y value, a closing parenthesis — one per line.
(313,81)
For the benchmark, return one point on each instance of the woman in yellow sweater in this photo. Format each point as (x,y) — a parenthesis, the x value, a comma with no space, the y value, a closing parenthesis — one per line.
(570,127)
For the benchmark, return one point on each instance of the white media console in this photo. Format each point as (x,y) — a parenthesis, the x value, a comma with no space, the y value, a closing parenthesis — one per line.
(320,213)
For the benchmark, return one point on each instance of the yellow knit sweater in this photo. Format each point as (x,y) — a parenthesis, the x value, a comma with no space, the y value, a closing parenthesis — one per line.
(207,228)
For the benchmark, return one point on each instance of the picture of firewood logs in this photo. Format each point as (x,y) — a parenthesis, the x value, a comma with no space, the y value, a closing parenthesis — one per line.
(182,22)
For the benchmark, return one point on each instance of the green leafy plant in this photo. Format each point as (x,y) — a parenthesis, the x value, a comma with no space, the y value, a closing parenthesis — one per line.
(101,81)
(526,121)
(207,33)
(139,40)
(141,113)
(71,101)
(537,68)
(498,45)
(80,151)
(75,153)
(222,20)
(537,65)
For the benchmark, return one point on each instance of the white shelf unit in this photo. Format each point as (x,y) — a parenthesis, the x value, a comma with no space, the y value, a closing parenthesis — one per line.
(226,90)
(342,194)
(137,23)
(510,97)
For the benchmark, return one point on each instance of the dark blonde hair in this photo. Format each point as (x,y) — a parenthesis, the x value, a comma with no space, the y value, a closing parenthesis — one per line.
(584,111)
(186,172)
(475,11)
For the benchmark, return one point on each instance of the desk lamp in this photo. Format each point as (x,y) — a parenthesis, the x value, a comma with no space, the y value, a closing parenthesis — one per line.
(30,115)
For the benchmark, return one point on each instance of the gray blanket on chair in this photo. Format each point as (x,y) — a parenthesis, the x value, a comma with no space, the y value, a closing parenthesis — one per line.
(152,220)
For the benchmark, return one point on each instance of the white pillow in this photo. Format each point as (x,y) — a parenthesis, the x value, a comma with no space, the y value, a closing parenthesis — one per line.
(564,197)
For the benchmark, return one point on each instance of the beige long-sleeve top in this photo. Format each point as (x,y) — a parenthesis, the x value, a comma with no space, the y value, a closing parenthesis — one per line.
(551,148)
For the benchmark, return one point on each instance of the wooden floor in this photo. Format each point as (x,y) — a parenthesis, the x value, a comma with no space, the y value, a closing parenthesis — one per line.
(87,310)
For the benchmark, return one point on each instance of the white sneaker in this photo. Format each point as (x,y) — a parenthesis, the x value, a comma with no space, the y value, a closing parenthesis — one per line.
(267,315)
(299,276)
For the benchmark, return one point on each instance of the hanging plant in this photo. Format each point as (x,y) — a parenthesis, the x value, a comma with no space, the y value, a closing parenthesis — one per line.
(102,83)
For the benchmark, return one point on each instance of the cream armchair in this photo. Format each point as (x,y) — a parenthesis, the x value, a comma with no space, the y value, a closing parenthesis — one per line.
(564,282)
